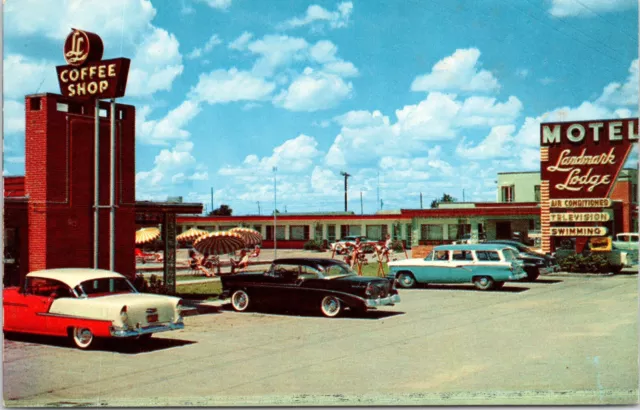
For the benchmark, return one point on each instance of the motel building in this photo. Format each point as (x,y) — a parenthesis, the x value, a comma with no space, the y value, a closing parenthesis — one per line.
(516,213)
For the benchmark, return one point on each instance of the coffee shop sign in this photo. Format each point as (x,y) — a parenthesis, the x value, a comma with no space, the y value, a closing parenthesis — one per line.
(86,75)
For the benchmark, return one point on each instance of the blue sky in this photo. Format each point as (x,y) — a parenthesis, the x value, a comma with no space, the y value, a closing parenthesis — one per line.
(409,96)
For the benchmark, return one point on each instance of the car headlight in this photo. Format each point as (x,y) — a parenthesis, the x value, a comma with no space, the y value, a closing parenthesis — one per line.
(369,290)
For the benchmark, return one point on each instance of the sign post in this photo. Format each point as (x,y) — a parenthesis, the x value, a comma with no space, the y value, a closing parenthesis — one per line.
(579,163)
(87,76)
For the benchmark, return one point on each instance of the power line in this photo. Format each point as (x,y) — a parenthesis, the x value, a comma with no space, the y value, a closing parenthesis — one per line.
(631,36)
(563,33)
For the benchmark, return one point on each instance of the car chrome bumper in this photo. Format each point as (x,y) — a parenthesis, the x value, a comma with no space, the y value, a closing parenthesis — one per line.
(518,276)
(389,300)
(132,332)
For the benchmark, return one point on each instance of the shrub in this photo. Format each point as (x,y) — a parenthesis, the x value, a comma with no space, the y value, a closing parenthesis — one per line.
(313,245)
(591,263)
(397,246)
(153,285)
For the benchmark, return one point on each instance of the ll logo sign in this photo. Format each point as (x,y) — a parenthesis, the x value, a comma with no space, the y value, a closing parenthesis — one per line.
(81,47)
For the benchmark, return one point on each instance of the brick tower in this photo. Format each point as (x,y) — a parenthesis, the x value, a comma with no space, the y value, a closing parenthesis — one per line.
(59,182)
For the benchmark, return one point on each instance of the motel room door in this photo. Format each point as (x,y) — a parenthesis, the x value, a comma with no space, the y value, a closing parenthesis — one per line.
(503,230)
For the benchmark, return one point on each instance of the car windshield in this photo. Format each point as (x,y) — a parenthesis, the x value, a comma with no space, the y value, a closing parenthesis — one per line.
(104,286)
(509,254)
(337,270)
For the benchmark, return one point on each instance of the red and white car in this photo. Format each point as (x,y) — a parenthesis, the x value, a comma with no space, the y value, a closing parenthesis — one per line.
(85,304)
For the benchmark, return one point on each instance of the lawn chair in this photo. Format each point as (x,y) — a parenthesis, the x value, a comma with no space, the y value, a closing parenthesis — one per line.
(143,257)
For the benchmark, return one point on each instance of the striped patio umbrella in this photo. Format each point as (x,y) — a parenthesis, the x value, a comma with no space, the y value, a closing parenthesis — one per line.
(146,235)
(219,243)
(191,235)
(251,236)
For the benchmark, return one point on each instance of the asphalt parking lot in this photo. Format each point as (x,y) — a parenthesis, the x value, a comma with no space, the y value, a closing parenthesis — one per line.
(560,340)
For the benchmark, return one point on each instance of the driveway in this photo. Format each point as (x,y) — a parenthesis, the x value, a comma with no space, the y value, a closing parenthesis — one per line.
(569,340)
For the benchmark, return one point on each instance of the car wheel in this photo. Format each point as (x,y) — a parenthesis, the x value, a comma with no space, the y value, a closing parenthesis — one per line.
(330,306)
(406,280)
(82,337)
(532,276)
(484,283)
(240,300)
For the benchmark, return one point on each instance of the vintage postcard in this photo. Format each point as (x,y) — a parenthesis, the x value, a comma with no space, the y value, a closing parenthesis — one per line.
(320,202)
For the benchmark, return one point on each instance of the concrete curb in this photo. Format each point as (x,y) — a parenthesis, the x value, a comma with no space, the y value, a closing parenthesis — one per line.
(590,275)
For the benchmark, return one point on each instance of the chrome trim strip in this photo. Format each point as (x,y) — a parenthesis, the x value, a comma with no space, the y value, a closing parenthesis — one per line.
(389,300)
(119,332)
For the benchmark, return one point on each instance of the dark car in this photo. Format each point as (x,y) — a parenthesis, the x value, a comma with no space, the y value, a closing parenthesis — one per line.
(325,284)
(534,263)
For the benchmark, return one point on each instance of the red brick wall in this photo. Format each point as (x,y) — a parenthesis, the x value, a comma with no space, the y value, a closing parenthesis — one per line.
(622,192)
(59,166)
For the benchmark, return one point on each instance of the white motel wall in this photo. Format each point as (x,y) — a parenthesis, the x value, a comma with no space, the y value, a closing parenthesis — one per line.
(516,213)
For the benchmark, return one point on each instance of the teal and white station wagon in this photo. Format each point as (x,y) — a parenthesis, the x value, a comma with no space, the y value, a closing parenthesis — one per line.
(487,266)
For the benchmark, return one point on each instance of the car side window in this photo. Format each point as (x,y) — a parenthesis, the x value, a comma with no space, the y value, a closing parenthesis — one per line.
(482,255)
(47,288)
(462,256)
(442,255)
(493,256)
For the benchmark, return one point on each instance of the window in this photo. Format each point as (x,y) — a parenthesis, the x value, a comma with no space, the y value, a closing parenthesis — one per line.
(318,234)
(279,231)
(634,193)
(47,287)
(331,233)
(34,103)
(507,193)
(458,231)
(396,232)
(298,232)
(441,255)
(355,230)
(461,256)
(409,235)
(536,193)
(487,256)
(431,232)
(374,232)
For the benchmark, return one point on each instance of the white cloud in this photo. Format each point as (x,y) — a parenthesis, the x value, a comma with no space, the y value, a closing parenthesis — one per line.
(616,94)
(497,144)
(197,52)
(546,80)
(326,182)
(14,117)
(54,20)
(23,75)
(354,119)
(341,68)
(156,64)
(432,118)
(294,155)
(484,111)
(276,51)
(241,42)
(169,128)
(222,86)
(457,72)
(171,167)
(317,16)
(313,91)
(522,73)
(217,4)
(571,8)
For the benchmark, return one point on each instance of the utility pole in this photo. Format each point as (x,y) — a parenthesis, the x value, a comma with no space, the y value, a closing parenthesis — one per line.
(212,198)
(258,202)
(462,194)
(378,189)
(345,175)
(361,206)
(420,200)
(381,204)
(275,215)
